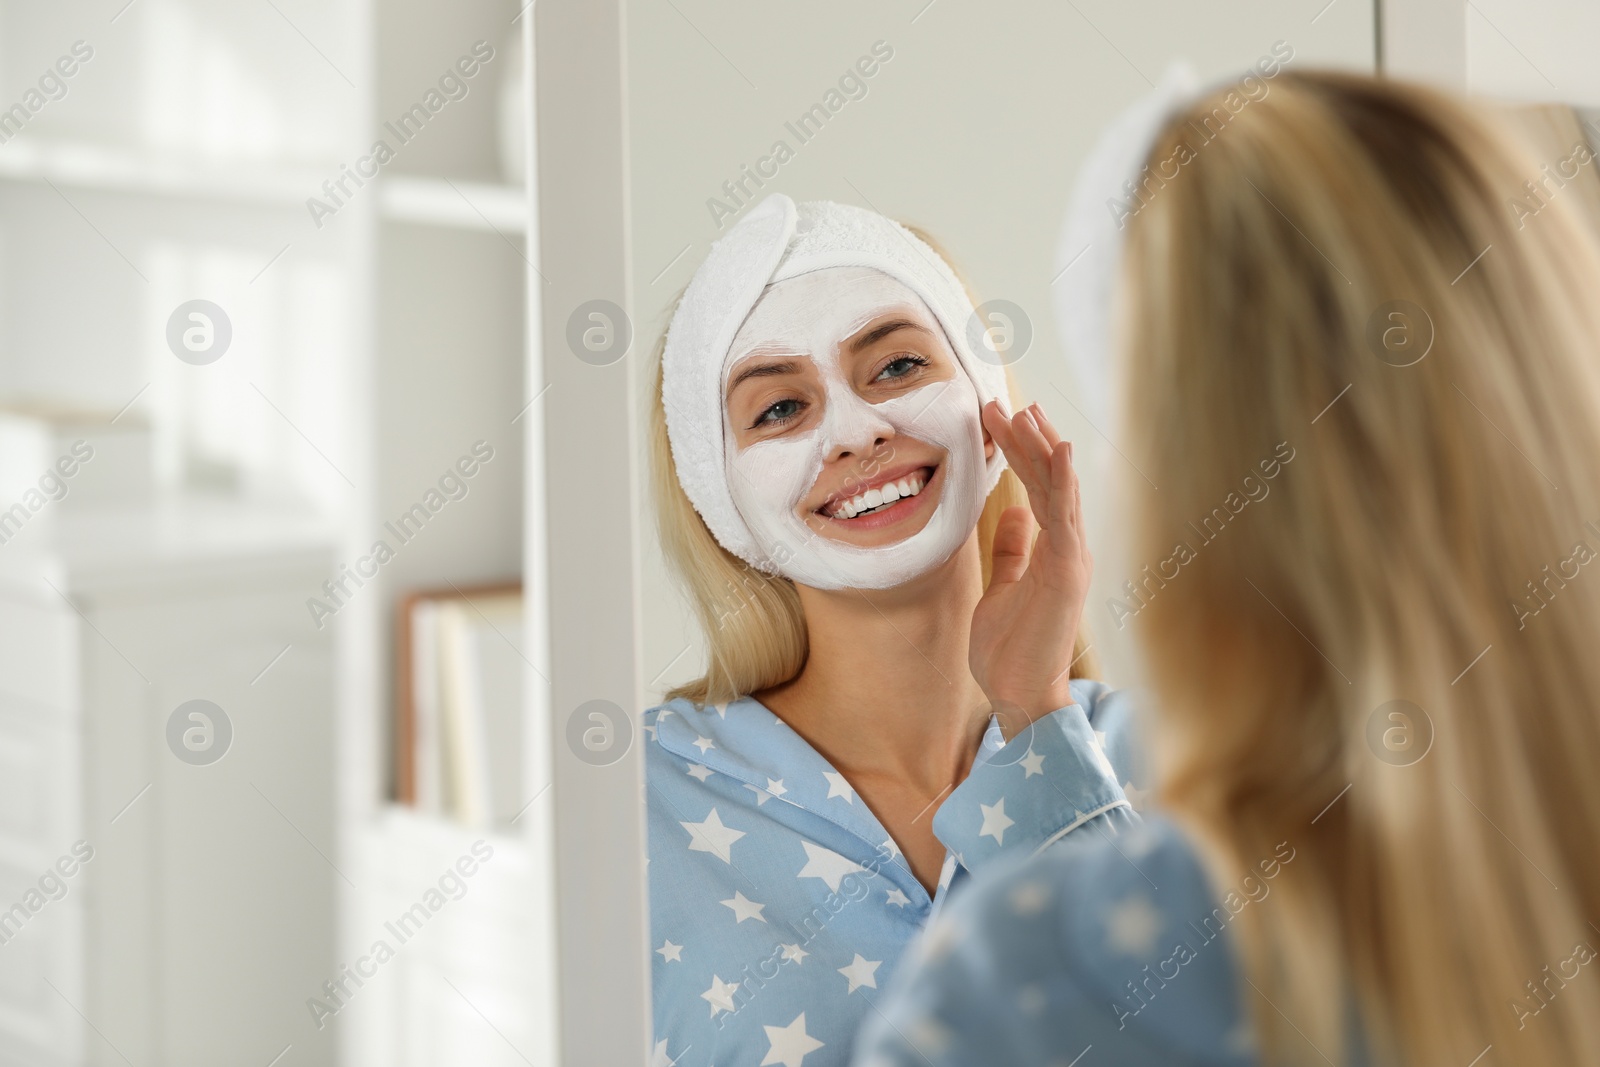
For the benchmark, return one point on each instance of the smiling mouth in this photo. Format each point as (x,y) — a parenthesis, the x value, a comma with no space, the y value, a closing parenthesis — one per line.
(880,497)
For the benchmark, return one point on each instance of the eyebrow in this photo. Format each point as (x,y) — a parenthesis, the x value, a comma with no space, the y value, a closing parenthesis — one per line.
(882,330)
(764,370)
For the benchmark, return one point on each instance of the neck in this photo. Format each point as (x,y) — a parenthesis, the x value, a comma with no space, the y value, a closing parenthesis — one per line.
(886,689)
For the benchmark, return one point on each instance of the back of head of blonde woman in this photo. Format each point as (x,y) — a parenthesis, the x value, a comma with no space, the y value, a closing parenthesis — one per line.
(1390,661)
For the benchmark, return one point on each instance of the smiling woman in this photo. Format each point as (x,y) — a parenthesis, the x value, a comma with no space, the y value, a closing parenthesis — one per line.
(895,650)
(893,405)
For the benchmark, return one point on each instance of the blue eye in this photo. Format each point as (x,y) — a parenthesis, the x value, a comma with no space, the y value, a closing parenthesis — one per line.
(768,418)
(900,361)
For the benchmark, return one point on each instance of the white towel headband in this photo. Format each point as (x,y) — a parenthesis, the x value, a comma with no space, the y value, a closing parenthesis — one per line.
(778,240)
(1091,246)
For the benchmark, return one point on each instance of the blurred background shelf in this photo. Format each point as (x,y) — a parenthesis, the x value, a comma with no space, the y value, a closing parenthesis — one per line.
(461,205)
(425,1009)
(370,350)
(84,165)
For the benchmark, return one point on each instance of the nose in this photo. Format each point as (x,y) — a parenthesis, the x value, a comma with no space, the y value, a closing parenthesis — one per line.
(853,427)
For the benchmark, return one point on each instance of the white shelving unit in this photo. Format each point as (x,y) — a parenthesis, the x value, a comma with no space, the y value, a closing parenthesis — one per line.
(367,354)
(85,165)
(109,621)
(460,204)
(450,333)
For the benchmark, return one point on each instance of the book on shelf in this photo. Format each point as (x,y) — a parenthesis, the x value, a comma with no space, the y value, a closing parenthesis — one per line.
(459,739)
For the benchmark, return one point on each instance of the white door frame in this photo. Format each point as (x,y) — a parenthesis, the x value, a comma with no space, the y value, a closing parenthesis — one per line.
(583,529)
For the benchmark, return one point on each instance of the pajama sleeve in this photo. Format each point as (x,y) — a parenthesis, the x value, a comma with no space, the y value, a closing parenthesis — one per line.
(1047,781)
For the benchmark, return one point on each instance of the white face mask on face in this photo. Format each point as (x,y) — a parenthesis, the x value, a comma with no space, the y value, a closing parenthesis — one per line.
(811,316)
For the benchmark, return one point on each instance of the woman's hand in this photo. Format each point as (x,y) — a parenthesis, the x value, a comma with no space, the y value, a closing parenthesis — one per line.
(1025,627)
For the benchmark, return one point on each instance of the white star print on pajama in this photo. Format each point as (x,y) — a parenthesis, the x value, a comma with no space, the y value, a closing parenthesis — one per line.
(860,972)
(1132,927)
(743,908)
(790,1043)
(995,821)
(713,837)
(780,904)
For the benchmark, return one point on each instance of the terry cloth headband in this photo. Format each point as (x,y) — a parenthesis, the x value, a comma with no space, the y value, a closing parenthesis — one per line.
(1090,253)
(778,240)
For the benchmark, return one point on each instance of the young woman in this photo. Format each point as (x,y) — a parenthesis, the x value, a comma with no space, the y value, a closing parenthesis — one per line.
(1378,688)
(890,700)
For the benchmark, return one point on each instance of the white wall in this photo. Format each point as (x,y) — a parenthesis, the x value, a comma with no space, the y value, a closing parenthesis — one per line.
(1534,49)
(972,130)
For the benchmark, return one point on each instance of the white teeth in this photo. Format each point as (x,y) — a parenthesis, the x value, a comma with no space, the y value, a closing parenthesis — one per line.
(888,493)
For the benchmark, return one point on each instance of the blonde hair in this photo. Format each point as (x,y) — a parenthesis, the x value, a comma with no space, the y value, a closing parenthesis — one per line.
(1402,556)
(1560,141)
(753,622)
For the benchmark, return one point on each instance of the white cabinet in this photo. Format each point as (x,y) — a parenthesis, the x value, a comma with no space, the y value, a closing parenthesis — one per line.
(204,915)
(469,984)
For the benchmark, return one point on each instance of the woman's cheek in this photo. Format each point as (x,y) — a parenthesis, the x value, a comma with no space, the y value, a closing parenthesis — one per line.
(767,481)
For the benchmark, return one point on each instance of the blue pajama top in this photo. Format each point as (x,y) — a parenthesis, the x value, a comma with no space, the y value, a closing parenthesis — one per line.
(779,905)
